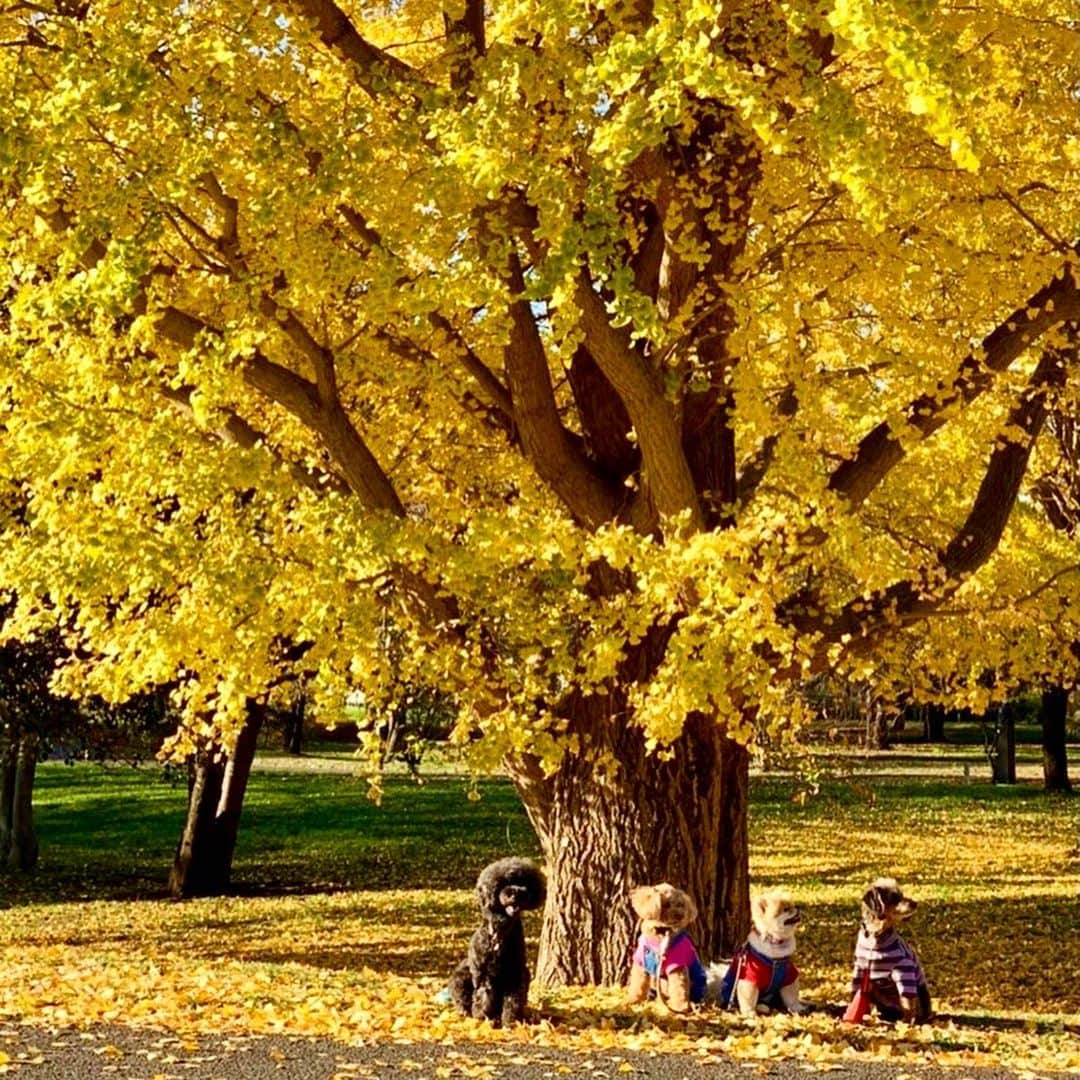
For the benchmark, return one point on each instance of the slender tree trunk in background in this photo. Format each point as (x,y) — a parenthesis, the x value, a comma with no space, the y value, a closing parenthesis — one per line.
(1002,749)
(934,719)
(22,845)
(9,751)
(877,723)
(203,862)
(294,725)
(1054,715)
(605,828)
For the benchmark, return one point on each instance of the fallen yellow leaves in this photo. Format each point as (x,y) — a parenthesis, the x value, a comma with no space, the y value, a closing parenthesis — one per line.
(209,967)
(365,967)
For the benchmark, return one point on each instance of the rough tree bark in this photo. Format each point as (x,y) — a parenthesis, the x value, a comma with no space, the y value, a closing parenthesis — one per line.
(202,865)
(617,815)
(1054,714)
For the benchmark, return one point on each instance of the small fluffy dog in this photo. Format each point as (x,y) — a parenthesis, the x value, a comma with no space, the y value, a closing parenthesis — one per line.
(665,957)
(887,968)
(492,982)
(762,971)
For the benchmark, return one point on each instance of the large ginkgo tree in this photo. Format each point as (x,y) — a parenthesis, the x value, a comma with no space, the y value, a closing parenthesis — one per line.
(610,367)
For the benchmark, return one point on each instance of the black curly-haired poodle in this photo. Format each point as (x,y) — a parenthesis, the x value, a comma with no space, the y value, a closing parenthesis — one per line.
(493,981)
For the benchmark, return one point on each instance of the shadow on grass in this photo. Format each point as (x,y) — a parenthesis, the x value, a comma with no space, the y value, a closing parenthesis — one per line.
(984,1022)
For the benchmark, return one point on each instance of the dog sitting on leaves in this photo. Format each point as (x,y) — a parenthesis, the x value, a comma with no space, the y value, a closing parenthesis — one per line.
(887,968)
(762,971)
(492,982)
(665,957)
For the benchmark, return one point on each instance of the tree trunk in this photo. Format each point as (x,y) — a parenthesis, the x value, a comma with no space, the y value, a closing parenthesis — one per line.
(294,725)
(9,756)
(1054,714)
(877,722)
(203,862)
(22,845)
(1002,750)
(615,816)
(934,718)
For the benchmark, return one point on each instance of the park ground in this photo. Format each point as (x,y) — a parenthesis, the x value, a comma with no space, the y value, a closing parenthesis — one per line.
(348,916)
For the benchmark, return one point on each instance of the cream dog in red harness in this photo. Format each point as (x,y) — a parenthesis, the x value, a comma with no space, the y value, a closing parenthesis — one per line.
(762,971)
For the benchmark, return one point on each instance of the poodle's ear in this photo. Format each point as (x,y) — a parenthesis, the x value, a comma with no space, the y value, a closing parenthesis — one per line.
(487,888)
(646,902)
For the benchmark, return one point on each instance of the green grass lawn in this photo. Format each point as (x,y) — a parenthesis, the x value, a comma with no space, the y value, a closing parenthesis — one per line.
(111,831)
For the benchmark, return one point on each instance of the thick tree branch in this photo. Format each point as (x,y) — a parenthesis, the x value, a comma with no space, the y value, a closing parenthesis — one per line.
(558,461)
(318,355)
(880,449)
(238,432)
(300,397)
(605,423)
(755,469)
(468,32)
(667,472)
(976,539)
(363,475)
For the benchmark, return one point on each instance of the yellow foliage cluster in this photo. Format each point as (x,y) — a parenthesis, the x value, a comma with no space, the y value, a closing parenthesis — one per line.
(290,296)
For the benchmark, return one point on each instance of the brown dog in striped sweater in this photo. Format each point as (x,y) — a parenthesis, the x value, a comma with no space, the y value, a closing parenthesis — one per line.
(887,968)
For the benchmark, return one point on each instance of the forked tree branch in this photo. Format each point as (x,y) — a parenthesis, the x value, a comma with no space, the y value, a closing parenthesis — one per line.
(559,462)
(664,463)
(299,396)
(340,36)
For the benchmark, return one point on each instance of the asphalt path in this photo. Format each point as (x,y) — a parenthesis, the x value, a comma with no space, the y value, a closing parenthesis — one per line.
(123,1053)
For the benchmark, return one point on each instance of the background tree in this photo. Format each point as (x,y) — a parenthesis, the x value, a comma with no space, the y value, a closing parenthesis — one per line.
(636,361)
(29,714)
(1058,490)
(1054,718)
(217,783)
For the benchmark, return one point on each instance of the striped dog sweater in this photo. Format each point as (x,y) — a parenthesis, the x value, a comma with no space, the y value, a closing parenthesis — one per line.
(889,958)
